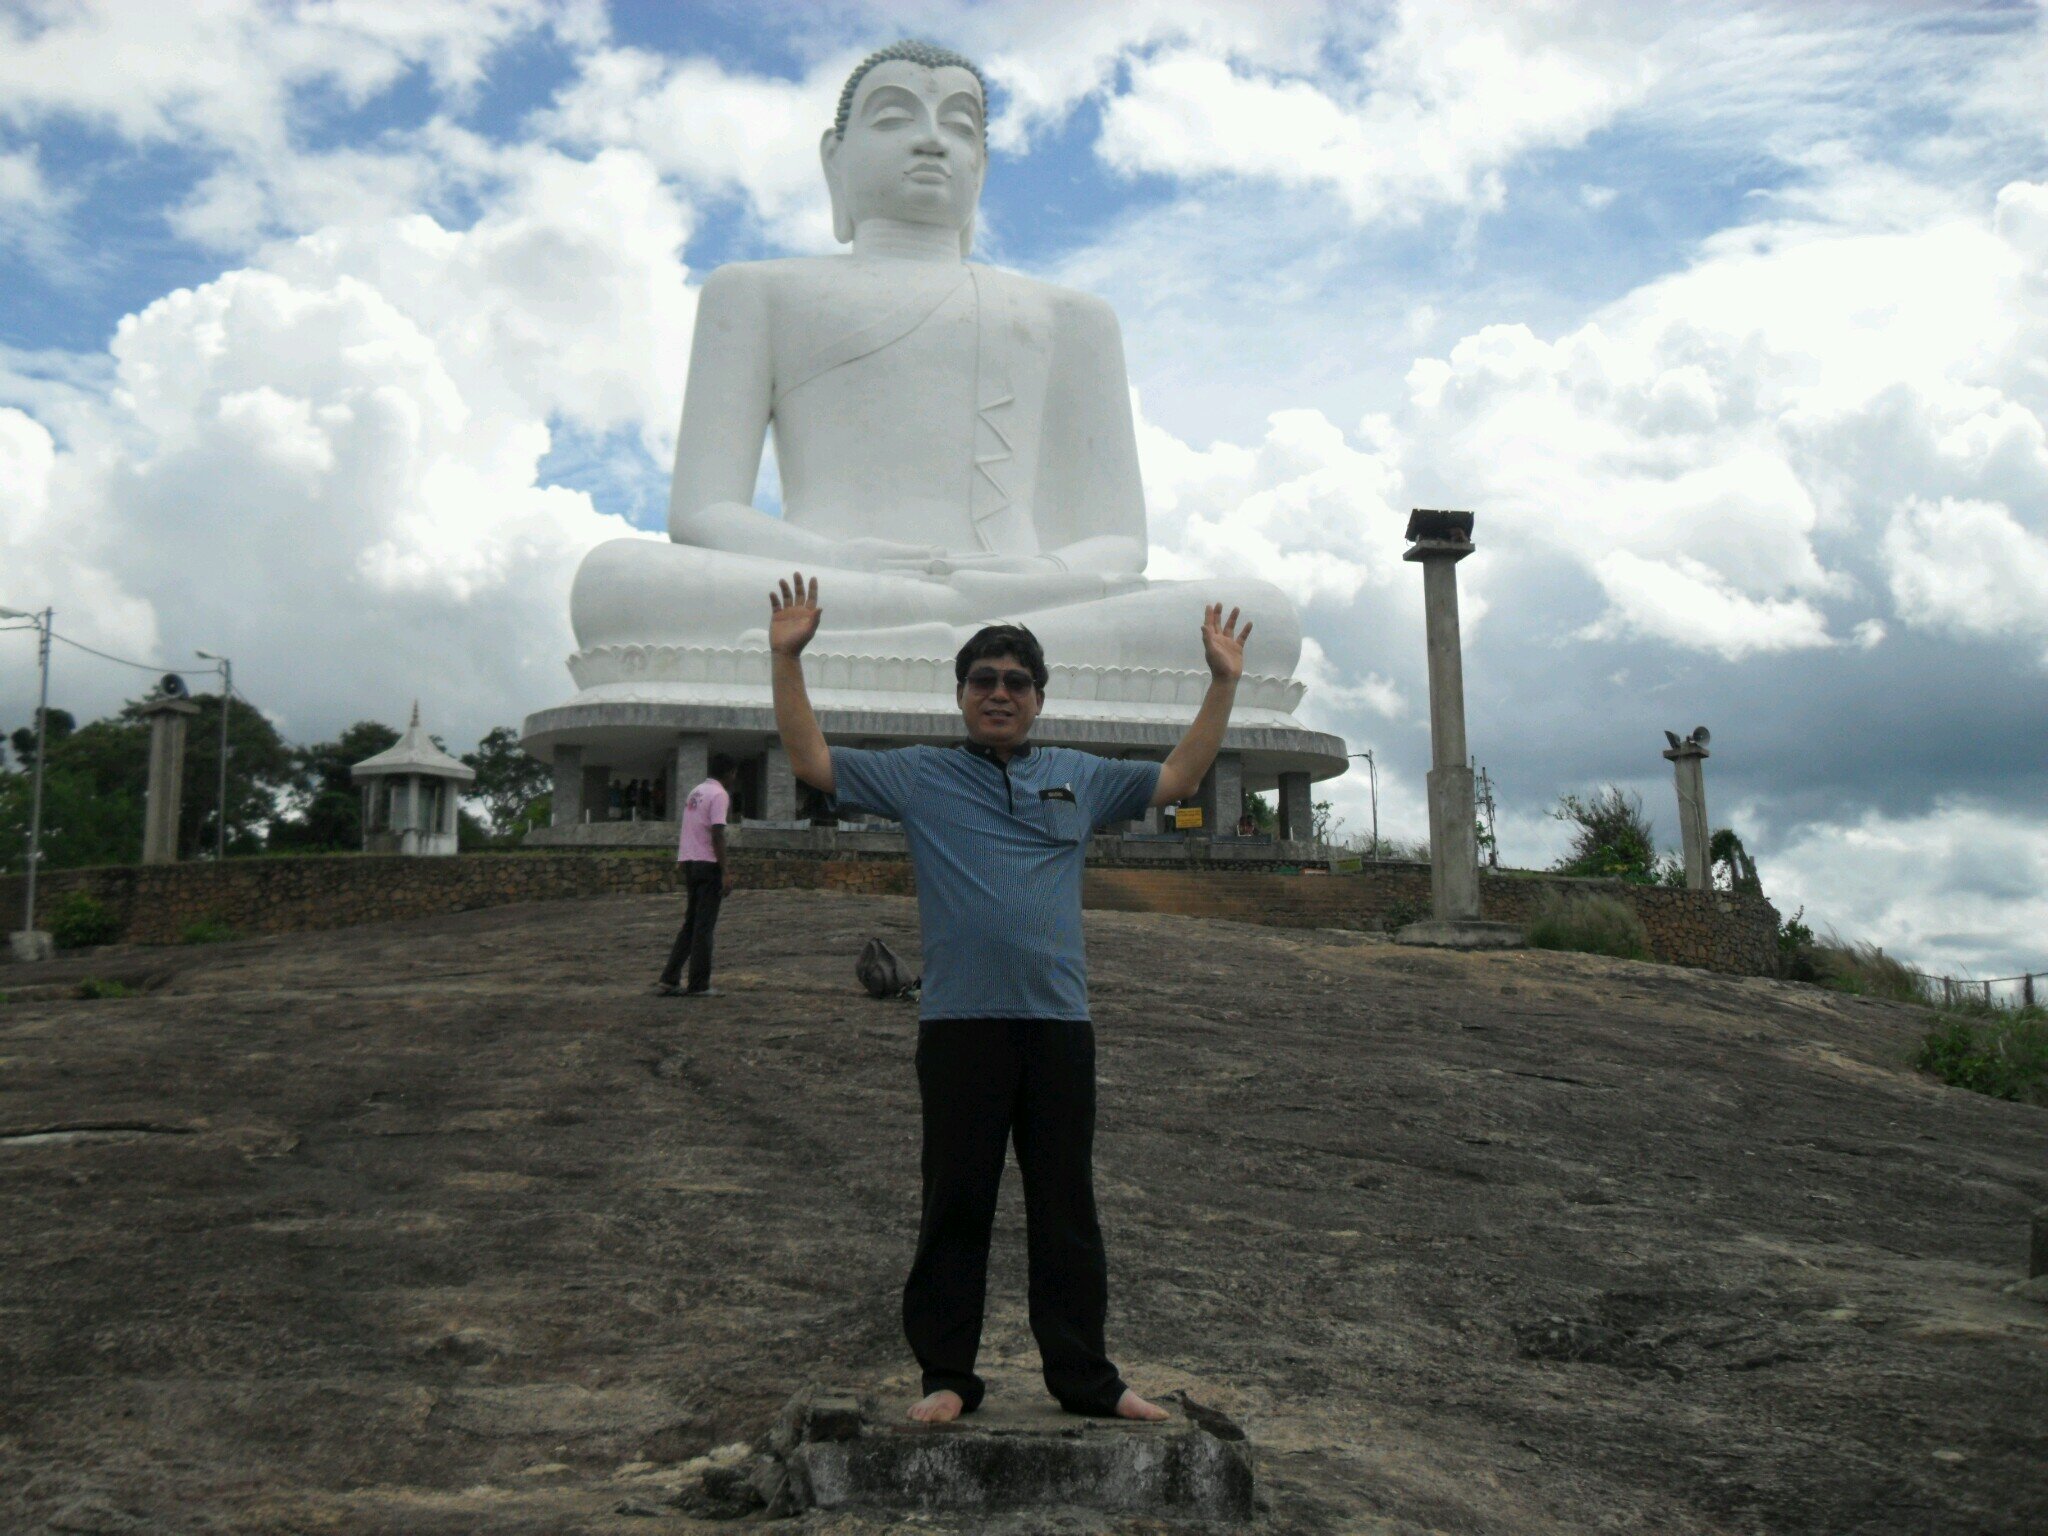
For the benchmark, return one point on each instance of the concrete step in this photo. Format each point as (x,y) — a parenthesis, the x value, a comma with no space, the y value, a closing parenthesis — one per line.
(857,1450)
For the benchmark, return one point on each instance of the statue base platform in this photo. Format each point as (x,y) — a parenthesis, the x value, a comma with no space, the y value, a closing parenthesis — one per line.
(634,731)
(856,1451)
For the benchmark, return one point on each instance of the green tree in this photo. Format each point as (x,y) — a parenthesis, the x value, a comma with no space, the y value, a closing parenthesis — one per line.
(61,724)
(1324,822)
(327,805)
(1613,838)
(1264,818)
(508,780)
(92,795)
(1726,853)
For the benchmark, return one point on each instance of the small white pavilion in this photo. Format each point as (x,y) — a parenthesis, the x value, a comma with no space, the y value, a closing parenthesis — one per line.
(411,793)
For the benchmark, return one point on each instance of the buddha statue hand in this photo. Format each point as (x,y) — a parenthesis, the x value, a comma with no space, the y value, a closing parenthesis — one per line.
(942,563)
(884,555)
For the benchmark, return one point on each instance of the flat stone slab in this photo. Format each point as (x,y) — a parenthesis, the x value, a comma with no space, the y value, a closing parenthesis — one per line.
(1461,933)
(1018,1451)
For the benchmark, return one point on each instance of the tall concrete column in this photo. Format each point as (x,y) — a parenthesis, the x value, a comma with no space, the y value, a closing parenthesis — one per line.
(566,803)
(778,785)
(1297,809)
(1439,540)
(1685,758)
(1221,796)
(688,767)
(597,792)
(167,719)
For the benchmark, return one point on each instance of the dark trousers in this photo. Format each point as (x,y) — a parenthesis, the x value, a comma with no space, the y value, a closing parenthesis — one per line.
(986,1083)
(706,887)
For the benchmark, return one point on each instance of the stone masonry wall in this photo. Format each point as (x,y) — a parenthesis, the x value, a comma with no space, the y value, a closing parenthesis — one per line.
(156,904)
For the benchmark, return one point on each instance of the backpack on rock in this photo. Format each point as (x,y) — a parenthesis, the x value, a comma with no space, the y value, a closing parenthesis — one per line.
(882,974)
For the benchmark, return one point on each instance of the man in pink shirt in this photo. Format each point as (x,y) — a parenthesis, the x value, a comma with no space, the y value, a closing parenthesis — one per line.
(707,878)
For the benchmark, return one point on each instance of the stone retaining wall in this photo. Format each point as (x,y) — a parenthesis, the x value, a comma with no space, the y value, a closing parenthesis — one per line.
(157,904)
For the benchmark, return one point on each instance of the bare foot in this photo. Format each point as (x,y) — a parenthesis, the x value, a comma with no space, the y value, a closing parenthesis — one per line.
(944,1407)
(1132,1406)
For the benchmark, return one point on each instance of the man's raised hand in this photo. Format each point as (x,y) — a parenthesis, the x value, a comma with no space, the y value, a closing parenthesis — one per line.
(1223,643)
(793,616)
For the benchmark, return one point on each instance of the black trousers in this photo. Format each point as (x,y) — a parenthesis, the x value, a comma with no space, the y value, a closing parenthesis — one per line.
(986,1083)
(705,885)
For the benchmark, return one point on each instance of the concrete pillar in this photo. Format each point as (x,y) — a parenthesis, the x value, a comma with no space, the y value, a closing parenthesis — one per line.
(566,804)
(1221,796)
(1297,808)
(688,767)
(167,719)
(778,785)
(597,792)
(1685,758)
(1439,541)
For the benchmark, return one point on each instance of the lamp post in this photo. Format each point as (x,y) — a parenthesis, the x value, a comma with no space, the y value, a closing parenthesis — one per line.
(227,689)
(35,816)
(1372,769)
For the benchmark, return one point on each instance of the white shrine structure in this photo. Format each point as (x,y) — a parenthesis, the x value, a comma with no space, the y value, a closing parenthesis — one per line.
(412,793)
(956,448)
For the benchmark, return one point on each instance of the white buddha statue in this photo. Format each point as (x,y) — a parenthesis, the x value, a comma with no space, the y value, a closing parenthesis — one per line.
(955,443)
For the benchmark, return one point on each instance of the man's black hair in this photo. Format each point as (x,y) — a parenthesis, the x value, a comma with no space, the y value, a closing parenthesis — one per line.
(930,55)
(721,766)
(1002,640)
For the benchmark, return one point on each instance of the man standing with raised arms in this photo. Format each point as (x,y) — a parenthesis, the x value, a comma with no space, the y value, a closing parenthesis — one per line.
(998,832)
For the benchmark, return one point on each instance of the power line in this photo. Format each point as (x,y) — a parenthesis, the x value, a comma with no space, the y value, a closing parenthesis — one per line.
(140,666)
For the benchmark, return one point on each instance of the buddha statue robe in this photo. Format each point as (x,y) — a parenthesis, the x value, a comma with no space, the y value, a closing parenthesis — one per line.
(955,447)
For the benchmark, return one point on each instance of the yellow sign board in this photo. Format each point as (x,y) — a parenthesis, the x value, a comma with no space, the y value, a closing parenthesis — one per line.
(1187,817)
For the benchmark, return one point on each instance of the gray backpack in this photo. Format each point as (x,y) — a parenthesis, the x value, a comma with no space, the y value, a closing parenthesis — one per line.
(883,974)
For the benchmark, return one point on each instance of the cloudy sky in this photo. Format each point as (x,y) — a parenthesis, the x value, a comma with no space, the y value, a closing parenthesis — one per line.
(332,334)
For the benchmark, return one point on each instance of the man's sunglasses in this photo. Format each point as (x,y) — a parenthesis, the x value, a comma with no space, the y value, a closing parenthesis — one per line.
(984,680)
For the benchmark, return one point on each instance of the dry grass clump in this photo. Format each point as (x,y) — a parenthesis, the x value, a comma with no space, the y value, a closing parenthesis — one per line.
(1865,969)
(1590,925)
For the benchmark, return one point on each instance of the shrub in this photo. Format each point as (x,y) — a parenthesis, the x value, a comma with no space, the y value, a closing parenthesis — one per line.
(206,930)
(1796,958)
(1401,912)
(1590,925)
(92,987)
(2003,1054)
(1613,839)
(81,920)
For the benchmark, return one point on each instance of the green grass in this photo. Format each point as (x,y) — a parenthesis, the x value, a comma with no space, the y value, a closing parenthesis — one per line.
(2002,1052)
(94,987)
(1590,925)
(206,930)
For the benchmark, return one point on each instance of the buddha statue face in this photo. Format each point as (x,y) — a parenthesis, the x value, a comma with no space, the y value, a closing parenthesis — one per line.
(912,151)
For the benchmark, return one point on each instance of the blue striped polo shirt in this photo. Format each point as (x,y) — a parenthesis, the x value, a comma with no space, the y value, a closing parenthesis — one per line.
(999,851)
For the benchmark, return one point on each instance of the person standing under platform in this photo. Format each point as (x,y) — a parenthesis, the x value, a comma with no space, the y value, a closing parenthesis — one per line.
(707,880)
(998,832)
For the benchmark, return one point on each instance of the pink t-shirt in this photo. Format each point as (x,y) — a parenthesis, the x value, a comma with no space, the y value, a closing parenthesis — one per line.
(704,810)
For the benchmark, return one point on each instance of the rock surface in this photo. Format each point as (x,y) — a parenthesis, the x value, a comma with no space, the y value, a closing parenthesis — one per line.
(451,1226)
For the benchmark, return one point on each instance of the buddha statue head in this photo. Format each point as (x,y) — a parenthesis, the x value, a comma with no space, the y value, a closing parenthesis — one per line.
(910,141)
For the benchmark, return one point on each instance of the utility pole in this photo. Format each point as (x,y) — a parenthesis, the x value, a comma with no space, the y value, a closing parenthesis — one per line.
(1486,805)
(1372,769)
(42,621)
(227,690)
